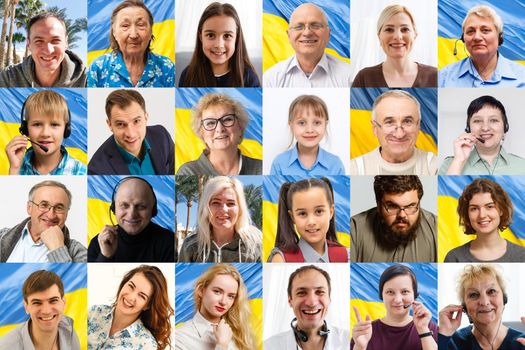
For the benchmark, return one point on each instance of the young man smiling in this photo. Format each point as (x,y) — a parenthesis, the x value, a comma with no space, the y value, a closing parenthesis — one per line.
(47,326)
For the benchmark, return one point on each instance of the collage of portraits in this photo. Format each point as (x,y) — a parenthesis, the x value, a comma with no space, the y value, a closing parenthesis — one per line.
(262,175)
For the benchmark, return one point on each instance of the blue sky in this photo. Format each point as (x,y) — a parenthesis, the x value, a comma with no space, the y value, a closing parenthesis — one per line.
(182,209)
(75,9)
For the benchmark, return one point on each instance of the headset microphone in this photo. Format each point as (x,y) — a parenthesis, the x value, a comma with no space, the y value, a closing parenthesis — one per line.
(302,336)
(455,43)
(44,148)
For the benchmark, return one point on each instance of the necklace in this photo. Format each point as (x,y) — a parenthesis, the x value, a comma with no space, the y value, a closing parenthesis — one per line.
(491,343)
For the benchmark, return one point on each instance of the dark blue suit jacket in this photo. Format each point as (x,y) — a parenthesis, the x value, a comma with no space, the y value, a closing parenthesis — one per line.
(107,160)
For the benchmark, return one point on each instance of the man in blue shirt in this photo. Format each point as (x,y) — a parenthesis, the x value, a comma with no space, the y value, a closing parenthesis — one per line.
(134,148)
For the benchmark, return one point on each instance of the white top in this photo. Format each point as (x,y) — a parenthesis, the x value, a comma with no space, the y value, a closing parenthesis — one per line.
(26,250)
(337,339)
(371,163)
(197,334)
(329,72)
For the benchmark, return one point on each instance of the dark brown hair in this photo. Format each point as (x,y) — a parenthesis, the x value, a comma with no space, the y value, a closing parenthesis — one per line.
(199,72)
(123,98)
(286,239)
(156,318)
(396,184)
(45,15)
(304,269)
(394,271)
(499,196)
(129,3)
(41,280)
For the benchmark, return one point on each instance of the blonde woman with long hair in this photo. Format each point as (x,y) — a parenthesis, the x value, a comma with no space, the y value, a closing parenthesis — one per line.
(224,231)
(222,317)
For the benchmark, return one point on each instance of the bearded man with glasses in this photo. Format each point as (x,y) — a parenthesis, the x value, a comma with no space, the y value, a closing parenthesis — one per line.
(43,236)
(396,120)
(397,229)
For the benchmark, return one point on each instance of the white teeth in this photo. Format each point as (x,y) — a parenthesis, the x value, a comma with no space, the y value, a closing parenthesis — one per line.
(47,318)
(311,312)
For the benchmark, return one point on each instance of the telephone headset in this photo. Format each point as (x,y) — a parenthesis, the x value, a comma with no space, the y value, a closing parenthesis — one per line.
(464,305)
(500,41)
(302,336)
(505,122)
(23,123)
(154,211)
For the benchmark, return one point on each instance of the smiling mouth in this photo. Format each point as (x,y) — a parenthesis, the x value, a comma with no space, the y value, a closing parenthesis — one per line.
(398,45)
(308,41)
(48,59)
(47,319)
(311,312)
(127,303)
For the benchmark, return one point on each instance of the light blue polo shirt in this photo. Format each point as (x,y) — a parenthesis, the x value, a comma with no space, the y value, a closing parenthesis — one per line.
(287,163)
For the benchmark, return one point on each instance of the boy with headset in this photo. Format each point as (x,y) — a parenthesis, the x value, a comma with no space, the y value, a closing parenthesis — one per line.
(45,122)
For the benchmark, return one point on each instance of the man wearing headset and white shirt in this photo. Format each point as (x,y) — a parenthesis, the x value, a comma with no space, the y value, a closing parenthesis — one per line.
(135,238)
(309,289)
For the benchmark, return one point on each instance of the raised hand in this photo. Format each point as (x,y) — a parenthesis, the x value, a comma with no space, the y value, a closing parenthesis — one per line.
(15,150)
(53,238)
(108,242)
(447,323)
(362,331)
(223,334)
(421,316)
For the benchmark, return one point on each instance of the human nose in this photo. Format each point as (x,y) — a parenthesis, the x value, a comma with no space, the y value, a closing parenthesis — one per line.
(402,213)
(133,31)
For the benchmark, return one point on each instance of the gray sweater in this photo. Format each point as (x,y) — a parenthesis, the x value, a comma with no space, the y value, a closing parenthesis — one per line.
(235,251)
(73,73)
(72,251)
(514,253)
(202,166)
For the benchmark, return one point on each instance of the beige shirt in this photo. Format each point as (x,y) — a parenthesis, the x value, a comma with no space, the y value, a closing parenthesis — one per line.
(371,163)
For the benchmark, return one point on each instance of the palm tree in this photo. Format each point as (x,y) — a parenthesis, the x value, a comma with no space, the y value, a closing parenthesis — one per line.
(11,29)
(17,38)
(73,28)
(253,196)
(6,13)
(187,188)
(25,11)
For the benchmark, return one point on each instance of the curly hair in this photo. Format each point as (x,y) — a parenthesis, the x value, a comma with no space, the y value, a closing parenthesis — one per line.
(499,196)
(238,316)
(157,316)
(473,273)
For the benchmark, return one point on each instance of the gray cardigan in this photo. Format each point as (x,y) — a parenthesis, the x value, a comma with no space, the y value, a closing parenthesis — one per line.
(72,251)
(202,166)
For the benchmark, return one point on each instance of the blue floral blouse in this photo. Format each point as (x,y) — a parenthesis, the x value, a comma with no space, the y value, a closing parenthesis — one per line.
(110,70)
(134,337)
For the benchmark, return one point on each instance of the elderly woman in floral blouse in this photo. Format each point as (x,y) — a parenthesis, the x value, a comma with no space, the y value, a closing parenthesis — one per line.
(131,63)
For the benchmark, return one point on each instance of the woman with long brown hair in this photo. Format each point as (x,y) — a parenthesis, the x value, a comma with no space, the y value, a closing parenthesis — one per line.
(222,317)
(139,317)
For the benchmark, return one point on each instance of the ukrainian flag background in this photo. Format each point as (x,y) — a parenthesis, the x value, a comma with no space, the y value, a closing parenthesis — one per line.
(99,15)
(451,14)
(74,278)
(189,146)
(11,101)
(100,191)
(364,289)
(272,185)
(276,15)
(363,140)
(451,235)
(187,273)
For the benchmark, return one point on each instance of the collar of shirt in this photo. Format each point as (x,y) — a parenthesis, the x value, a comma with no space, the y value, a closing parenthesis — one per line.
(117,61)
(322,64)
(320,160)
(474,157)
(27,239)
(27,167)
(130,158)
(201,324)
(26,250)
(309,253)
(503,70)
(134,329)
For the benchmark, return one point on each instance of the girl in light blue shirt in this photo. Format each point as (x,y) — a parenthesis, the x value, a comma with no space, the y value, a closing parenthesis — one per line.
(308,121)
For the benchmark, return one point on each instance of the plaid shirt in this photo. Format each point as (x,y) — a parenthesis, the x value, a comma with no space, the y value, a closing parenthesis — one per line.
(67,166)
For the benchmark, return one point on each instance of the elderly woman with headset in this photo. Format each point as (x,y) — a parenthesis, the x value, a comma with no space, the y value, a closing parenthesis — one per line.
(397,33)
(481,290)
(479,150)
(482,33)
(398,330)
(131,62)
(224,231)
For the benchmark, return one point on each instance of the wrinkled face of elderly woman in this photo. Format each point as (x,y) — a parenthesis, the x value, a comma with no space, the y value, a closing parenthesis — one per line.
(481,37)
(132,30)
(220,128)
(483,300)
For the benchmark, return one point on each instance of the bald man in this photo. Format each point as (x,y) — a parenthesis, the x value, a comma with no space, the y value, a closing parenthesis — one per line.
(308,33)
(135,238)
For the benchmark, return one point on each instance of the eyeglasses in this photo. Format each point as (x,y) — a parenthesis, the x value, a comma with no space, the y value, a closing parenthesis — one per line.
(311,26)
(390,126)
(227,121)
(44,207)
(393,209)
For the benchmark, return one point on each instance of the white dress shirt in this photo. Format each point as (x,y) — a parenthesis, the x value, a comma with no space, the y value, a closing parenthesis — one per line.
(197,334)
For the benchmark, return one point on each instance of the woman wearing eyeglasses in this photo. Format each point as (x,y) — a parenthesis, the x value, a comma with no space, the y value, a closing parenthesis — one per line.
(220,122)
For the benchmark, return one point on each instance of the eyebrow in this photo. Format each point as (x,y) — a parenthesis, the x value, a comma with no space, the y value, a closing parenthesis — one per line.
(55,298)
(213,31)
(140,293)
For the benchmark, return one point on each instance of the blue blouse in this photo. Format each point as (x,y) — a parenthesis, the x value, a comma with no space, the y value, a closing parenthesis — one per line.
(110,70)
(287,163)
(134,337)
